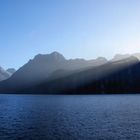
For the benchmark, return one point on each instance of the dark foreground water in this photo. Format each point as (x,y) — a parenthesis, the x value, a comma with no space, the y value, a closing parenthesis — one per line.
(101,117)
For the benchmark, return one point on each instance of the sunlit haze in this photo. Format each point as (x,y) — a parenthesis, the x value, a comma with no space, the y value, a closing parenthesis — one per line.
(76,28)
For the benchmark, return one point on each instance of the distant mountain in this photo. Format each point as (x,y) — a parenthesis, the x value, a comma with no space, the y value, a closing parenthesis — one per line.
(4,74)
(53,74)
(119,76)
(11,70)
(110,77)
(137,55)
(42,67)
(118,57)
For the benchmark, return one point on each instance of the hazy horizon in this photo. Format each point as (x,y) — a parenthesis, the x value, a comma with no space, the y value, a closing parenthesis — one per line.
(77,29)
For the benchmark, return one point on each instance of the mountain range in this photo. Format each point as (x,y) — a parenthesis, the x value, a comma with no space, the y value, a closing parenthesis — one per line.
(54,74)
(5,74)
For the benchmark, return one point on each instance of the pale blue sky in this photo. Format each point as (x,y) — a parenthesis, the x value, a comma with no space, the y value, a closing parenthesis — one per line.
(75,28)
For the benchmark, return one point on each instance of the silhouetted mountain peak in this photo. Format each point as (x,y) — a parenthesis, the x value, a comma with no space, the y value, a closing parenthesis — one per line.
(137,55)
(57,56)
(101,59)
(54,56)
(132,59)
(4,74)
(55,53)
(118,57)
(11,70)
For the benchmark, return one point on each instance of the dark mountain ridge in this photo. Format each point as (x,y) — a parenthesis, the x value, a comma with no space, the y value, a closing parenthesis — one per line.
(5,74)
(109,78)
(42,67)
(53,74)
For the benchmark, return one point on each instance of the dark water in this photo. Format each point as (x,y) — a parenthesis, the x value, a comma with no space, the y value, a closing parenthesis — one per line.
(101,117)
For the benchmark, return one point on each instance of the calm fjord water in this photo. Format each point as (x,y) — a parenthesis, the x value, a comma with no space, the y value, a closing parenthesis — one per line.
(42,117)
